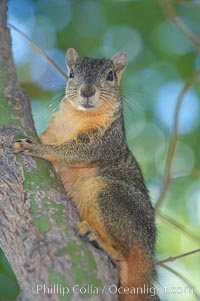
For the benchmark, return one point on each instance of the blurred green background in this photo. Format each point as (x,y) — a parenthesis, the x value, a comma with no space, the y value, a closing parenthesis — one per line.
(161,59)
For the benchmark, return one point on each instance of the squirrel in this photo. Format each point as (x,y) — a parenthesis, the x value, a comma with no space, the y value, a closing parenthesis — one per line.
(85,141)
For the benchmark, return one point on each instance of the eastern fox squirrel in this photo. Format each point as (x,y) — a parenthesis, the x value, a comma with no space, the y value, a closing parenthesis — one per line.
(85,140)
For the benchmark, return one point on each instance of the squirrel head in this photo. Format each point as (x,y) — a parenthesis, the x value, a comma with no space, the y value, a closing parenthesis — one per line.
(94,82)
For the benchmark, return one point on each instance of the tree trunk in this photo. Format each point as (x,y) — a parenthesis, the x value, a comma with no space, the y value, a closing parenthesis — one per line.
(37,232)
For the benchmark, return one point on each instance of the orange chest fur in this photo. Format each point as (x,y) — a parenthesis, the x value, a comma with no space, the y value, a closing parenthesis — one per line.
(80,182)
(67,123)
(83,185)
(76,179)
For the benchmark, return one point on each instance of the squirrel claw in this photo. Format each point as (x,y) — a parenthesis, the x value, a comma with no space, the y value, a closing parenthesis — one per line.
(23,146)
(83,228)
(26,140)
(85,231)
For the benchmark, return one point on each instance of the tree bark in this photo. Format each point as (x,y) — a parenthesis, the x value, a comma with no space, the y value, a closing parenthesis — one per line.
(37,221)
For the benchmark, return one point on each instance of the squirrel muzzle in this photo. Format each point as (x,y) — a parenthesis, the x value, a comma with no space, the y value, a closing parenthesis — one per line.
(87,93)
(88,97)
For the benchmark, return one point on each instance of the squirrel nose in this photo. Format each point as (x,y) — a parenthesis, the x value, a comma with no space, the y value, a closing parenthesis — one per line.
(87,90)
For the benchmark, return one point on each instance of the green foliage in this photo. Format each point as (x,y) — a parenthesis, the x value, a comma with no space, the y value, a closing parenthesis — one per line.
(9,288)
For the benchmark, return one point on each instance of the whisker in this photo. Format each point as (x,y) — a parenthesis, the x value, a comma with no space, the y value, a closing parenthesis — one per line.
(54,105)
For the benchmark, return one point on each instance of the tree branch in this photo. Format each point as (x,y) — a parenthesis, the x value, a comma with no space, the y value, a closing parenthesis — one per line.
(179,226)
(171,259)
(171,13)
(39,50)
(184,279)
(174,138)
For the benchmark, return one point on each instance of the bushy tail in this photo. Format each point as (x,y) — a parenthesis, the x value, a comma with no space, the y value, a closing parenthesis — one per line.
(136,277)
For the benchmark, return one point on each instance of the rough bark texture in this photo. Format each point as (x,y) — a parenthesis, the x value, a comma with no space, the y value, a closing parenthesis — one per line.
(37,232)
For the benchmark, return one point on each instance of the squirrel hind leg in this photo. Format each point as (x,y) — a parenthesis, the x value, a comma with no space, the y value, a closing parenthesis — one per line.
(84,230)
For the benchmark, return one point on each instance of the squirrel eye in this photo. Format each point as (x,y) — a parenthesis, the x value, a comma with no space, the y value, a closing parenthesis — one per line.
(71,73)
(110,76)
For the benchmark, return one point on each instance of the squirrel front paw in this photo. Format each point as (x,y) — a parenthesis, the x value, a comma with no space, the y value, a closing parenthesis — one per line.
(26,146)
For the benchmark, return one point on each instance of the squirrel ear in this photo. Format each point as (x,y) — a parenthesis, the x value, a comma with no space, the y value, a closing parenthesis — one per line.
(71,57)
(120,62)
